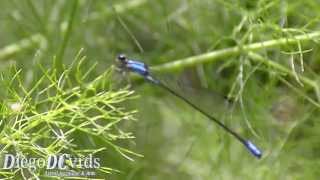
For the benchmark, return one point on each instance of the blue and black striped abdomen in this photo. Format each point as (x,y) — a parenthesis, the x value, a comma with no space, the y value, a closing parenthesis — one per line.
(138,67)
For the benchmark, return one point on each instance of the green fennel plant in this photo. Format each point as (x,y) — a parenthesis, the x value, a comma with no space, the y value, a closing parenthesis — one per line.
(62,113)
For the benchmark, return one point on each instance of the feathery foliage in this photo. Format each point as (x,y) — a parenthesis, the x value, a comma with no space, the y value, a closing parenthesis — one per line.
(263,54)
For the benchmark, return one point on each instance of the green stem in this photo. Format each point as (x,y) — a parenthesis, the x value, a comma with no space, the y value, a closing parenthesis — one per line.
(281,68)
(37,16)
(12,49)
(311,83)
(59,62)
(219,54)
(124,7)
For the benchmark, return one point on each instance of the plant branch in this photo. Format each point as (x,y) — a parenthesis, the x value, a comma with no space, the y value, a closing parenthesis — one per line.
(219,54)
(309,82)
(12,49)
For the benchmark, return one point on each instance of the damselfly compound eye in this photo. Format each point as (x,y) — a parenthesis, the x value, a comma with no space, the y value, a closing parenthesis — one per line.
(122,58)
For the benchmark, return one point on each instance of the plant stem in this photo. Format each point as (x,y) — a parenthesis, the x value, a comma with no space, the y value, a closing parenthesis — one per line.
(67,34)
(219,54)
(12,49)
(309,82)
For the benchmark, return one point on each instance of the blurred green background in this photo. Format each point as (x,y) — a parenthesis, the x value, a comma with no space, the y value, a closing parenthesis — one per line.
(274,90)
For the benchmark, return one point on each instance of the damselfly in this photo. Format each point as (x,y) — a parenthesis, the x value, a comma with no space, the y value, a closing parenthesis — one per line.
(142,69)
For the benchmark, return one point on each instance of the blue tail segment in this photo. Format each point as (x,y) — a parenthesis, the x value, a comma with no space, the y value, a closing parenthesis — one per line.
(253,149)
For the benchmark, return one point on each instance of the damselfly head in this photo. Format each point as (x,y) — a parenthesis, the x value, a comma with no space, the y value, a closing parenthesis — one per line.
(122,58)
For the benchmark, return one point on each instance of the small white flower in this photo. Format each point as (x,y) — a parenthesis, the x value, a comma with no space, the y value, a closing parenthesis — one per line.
(16,107)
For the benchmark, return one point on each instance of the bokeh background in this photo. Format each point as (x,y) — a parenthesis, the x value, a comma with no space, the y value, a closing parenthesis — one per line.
(273,92)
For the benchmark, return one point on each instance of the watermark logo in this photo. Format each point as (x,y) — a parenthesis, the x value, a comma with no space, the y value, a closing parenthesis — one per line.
(55,165)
